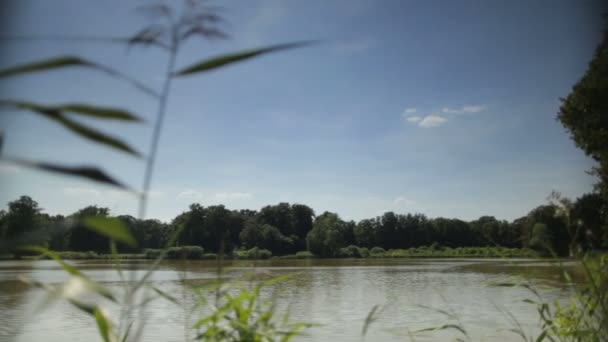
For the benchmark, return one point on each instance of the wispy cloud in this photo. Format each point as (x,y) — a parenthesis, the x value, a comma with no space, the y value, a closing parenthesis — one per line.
(400,204)
(414,119)
(438,119)
(402,201)
(81,191)
(431,121)
(472,109)
(190,193)
(409,111)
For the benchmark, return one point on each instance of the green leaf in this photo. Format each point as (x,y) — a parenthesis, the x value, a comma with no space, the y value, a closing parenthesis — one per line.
(98,112)
(112,228)
(220,61)
(103,324)
(66,267)
(47,64)
(71,61)
(90,173)
(58,116)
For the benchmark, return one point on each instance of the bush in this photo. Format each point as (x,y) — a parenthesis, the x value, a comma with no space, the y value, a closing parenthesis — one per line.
(377,252)
(185,252)
(253,254)
(304,255)
(209,256)
(352,251)
(364,252)
(150,253)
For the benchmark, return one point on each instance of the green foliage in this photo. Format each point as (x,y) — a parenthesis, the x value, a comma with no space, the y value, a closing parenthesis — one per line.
(254,253)
(220,61)
(327,235)
(377,252)
(86,172)
(185,252)
(151,253)
(58,115)
(49,64)
(304,255)
(352,252)
(240,314)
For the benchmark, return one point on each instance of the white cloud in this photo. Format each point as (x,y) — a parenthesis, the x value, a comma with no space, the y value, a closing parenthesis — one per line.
(190,193)
(471,109)
(414,119)
(9,169)
(233,196)
(410,110)
(402,201)
(432,120)
(80,191)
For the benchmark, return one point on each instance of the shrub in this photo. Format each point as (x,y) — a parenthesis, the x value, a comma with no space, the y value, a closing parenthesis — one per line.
(150,253)
(351,251)
(304,255)
(377,252)
(364,252)
(209,256)
(185,252)
(253,254)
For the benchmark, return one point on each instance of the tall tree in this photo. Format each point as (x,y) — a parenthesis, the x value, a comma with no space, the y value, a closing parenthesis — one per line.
(23,224)
(584,112)
(83,239)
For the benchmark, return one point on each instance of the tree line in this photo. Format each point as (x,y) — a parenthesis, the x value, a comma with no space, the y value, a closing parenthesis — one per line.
(561,227)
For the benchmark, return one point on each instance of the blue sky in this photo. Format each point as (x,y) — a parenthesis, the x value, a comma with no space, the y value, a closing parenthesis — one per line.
(441,107)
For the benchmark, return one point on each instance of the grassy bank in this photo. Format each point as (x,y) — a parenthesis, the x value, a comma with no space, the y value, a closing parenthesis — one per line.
(198,253)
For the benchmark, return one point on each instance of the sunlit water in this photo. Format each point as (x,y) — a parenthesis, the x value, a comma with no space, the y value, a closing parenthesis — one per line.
(335,294)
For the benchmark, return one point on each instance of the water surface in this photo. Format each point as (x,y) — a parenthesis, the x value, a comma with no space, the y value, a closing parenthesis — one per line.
(336,294)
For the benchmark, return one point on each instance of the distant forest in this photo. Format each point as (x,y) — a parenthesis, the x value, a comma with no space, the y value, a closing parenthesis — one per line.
(561,227)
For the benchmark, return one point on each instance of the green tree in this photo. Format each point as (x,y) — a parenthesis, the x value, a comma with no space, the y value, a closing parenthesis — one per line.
(23,224)
(365,233)
(83,239)
(584,112)
(327,235)
(265,236)
(587,215)
(541,239)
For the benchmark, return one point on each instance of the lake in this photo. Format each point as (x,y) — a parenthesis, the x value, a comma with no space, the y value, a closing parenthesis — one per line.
(337,294)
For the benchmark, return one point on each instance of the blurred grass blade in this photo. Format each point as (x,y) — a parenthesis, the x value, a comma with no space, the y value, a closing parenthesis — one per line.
(71,61)
(58,116)
(90,173)
(103,324)
(99,112)
(66,267)
(372,316)
(164,295)
(47,64)
(220,61)
(112,228)
(94,135)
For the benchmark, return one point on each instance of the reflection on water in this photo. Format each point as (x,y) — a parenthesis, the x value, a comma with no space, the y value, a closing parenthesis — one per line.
(337,294)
